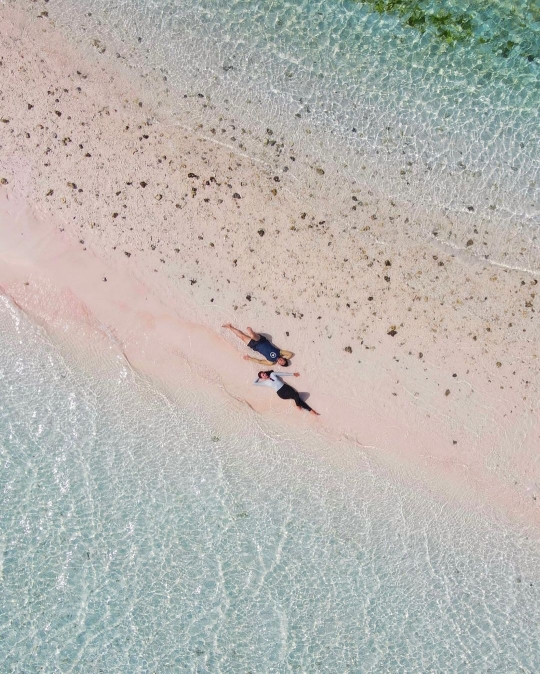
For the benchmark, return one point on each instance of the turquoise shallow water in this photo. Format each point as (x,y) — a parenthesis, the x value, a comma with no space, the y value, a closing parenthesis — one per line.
(138,535)
(434,102)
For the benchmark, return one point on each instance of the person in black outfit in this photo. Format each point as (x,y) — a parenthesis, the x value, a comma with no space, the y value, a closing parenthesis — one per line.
(285,392)
(261,345)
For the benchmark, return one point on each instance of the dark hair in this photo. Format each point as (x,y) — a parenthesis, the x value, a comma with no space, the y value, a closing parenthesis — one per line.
(268,372)
(285,364)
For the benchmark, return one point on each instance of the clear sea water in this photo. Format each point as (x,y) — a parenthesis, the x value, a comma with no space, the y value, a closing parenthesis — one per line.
(142,535)
(433,101)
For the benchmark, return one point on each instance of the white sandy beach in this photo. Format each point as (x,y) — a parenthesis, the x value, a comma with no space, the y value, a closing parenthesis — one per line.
(115,220)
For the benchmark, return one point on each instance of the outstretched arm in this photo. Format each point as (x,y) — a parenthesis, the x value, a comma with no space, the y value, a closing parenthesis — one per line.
(258,360)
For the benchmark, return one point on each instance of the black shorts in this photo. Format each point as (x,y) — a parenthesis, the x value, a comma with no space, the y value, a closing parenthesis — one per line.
(254,343)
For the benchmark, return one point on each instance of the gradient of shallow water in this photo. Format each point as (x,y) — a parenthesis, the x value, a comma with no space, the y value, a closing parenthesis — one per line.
(139,535)
(436,102)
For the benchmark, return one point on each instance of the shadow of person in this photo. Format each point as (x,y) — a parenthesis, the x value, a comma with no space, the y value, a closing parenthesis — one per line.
(268,336)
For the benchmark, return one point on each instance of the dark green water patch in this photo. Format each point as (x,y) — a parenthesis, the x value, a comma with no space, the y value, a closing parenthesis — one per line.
(506,29)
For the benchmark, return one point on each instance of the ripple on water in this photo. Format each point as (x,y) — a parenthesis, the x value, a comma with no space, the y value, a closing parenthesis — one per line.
(138,534)
(437,103)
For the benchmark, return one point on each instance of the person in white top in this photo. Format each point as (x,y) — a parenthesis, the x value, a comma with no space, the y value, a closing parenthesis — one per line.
(285,392)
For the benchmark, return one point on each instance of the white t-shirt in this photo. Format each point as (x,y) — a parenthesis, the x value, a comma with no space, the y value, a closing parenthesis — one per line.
(274,381)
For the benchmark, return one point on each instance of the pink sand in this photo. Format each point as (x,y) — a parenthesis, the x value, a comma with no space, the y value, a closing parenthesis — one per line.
(61,285)
(474,435)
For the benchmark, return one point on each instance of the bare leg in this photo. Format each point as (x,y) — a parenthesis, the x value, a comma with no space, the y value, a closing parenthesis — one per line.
(241,335)
(254,335)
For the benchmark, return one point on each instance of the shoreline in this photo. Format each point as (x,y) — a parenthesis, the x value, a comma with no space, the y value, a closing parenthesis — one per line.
(41,273)
(278,118)
(178,266)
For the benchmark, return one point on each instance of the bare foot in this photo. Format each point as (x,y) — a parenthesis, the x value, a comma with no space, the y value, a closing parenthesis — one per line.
(315,413)
(226,325)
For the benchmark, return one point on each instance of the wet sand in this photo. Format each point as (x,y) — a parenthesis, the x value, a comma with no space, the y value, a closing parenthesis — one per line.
(419,352)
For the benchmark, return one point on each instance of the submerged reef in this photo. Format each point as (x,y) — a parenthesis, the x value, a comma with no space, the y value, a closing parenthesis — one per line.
(507,29)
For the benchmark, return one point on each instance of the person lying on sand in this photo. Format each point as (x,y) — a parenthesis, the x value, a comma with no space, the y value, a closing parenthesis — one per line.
(284,391)
(260,344)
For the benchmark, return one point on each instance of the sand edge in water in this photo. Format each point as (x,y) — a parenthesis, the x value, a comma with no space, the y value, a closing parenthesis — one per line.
(424,358)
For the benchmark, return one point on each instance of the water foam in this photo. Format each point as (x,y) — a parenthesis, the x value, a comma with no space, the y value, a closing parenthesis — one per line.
(141,533)
(452,126)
